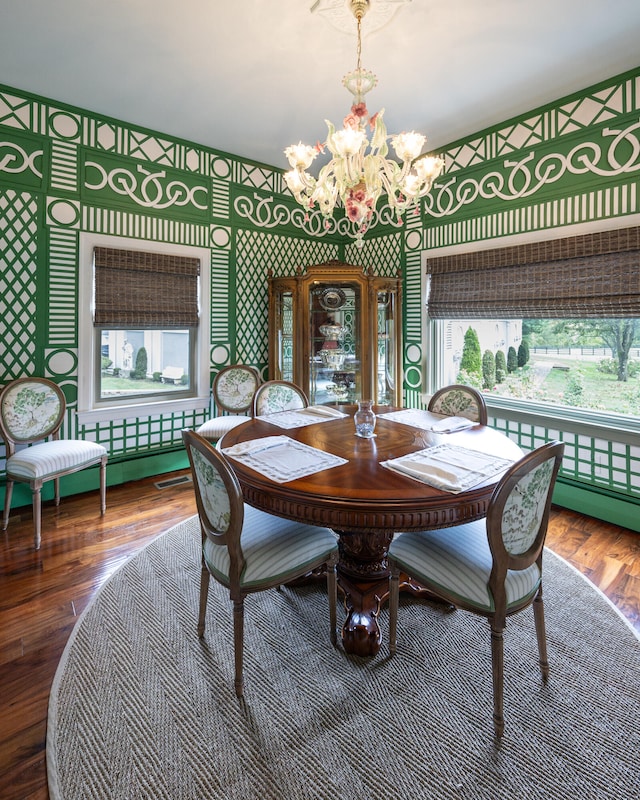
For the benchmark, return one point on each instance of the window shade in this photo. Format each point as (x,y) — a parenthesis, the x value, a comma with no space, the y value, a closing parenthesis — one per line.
(595,275)
(134,289)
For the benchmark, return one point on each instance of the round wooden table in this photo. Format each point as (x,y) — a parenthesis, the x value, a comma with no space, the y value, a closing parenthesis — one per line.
(365,503)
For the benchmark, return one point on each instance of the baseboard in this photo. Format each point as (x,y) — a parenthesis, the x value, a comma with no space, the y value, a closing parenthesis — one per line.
(616,509)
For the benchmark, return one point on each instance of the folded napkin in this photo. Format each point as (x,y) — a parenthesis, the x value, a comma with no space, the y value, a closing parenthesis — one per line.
(449,467)
(322,411)
(255,445)
(431,473)
(451,424)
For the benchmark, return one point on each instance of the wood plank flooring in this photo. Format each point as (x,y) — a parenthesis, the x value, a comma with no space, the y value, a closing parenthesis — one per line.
(43,593)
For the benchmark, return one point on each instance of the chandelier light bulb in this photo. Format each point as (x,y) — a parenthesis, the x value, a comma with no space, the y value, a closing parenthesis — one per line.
(408,145)
(300,156)
(359,171)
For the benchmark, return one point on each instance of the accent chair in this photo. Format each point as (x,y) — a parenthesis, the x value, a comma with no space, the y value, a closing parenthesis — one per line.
(489,567)
(248,550)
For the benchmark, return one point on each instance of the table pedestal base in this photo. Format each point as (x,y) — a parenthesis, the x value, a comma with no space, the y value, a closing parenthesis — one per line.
(361,634)
(363,577)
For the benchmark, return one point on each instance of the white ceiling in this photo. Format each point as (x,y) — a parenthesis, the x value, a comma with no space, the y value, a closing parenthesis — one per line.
(251,76)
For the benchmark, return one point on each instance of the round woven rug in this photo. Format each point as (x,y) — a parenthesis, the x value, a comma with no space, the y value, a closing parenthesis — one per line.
(141,708)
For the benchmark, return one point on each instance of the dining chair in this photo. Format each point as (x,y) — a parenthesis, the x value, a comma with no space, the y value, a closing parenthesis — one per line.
(32,410)
(459,400)
(489,567)
(274,396)
(233,390)
(248,550)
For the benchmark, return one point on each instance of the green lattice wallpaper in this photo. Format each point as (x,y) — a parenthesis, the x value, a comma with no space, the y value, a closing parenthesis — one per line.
(65,172)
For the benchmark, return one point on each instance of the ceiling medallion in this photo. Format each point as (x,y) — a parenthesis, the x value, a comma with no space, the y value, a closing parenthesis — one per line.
(339,15)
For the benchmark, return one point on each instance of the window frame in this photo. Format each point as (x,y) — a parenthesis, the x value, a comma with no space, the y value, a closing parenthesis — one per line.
(622,426)
(92,408)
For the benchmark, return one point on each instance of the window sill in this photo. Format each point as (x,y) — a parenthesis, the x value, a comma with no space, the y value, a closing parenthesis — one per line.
(577,420)
(146,409)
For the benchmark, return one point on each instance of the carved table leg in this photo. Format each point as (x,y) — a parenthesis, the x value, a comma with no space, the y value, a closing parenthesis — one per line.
(363,576)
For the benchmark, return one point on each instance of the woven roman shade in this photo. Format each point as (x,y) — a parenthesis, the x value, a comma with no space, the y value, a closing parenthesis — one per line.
(592,276)
(134,289)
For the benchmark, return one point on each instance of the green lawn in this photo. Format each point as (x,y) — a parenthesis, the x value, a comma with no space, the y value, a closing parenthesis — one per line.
(120,386)
(599,390)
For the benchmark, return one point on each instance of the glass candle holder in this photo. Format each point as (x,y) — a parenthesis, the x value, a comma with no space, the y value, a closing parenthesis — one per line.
(365,419)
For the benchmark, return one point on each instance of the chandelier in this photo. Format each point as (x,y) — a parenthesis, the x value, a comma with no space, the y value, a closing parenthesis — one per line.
(359,171)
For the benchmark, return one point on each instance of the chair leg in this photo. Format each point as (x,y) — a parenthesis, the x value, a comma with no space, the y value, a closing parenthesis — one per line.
(8,491)
(36,498)
(332,593)
(56,486)
(103,486)
(238,643)
(497,668)
(541,635)
(394,595)
(205,578)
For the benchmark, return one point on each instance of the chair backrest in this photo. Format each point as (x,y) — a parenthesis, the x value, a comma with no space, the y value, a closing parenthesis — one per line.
(459,400)
(518,514)
(274,396)
(218,499)
(31,409)
(234,388)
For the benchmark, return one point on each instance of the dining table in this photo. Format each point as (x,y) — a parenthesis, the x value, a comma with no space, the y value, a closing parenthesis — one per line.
(418,472)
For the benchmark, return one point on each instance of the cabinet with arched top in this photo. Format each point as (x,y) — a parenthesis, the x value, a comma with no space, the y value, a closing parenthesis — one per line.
(335,329)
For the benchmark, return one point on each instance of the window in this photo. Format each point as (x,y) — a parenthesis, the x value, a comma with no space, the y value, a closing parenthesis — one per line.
(141,313)
(145,315)
(588,364)
(552,322)
(148,361)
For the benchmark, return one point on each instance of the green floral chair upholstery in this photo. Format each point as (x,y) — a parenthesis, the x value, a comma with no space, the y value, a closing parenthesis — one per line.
(458,400)
(274,396)
(490,567)
(248,550)
(32,410)
(233,390)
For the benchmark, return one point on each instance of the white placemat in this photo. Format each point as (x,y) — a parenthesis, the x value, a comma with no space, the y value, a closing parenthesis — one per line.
(448,467)
(428,421)
(302,416)
(282,459)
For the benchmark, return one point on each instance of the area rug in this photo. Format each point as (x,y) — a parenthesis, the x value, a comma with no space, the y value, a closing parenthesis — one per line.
(141,708)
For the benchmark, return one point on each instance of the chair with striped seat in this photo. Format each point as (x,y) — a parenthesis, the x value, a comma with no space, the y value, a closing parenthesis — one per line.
(274,396)
(32,410)
(248,550)
(490,567)
(233,390)
(459,400)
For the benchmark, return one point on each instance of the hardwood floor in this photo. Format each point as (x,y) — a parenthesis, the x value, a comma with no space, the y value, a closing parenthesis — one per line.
(43,593)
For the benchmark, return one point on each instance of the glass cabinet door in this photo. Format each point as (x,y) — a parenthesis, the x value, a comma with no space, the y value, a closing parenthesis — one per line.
(387,351)
(285,340)
(334,333)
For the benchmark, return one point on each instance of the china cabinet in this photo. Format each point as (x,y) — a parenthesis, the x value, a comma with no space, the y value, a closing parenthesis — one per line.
(336,330)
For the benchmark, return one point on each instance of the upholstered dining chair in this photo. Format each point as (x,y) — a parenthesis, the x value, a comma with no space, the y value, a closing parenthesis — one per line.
(490,567)
(233,390)
(274,396)
(32,410)
(458,400)
(248,550)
